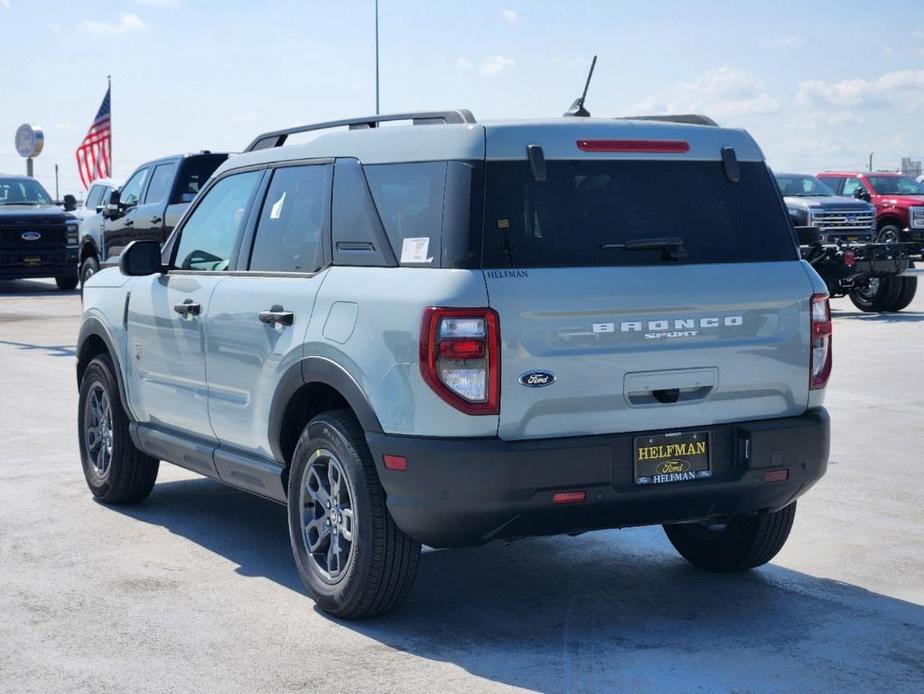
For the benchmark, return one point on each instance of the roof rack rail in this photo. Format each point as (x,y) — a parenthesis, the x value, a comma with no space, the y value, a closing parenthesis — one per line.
(688,118)
(277,138)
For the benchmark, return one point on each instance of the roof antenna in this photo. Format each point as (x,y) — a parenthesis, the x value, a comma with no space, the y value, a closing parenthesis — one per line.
(577,108)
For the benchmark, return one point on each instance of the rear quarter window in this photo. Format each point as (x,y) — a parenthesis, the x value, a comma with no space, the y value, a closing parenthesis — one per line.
(586,208)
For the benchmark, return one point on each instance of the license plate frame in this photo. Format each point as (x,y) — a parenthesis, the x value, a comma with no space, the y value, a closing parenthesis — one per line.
(672,457)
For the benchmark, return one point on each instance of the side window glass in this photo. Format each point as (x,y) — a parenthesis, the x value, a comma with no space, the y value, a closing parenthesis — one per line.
(131,191)
(851,185)
(207,239)
(93,197)
(292,221)
(833,182)
(409,198)
(161,182)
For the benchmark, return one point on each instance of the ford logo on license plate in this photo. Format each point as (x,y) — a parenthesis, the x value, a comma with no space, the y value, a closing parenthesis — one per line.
(30,236)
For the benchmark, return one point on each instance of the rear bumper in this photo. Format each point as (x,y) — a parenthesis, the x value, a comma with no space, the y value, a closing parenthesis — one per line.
(459,492)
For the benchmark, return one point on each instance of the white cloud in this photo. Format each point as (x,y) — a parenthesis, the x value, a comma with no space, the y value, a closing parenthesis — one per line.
(158,3)
(128,21)
(510,15)
(495,64)
(464,64)
(5,4)
(903,89)
(725,92)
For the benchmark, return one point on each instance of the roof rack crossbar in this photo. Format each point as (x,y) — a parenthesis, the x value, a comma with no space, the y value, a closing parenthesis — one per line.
(277,138)
(688,118)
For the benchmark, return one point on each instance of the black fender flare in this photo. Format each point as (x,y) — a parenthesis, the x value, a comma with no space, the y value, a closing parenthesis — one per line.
(317,370)
(93,327)
(88,247)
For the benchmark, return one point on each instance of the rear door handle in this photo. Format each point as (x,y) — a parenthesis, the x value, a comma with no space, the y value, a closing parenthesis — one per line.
(129,222)
(156,220)
(188,308)
(277,314)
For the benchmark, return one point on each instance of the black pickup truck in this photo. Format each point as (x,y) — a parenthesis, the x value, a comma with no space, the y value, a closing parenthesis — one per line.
(146,208)
(37,238)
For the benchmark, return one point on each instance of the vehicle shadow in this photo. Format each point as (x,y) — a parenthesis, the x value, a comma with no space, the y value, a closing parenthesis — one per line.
(50,350)
(901,317)
(603,611)
(33,288)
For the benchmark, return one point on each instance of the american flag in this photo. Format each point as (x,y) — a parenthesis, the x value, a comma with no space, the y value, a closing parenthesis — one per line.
(94,155)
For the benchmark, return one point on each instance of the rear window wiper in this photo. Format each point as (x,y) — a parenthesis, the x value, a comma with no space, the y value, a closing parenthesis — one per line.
(671,246)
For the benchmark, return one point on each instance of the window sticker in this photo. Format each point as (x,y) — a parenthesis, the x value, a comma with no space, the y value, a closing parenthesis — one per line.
(276,210)
(414,250)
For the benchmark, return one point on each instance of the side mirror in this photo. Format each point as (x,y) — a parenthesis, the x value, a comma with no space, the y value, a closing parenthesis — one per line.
(113,208)
(808,235)
(70,203)
(862,194)
(140,258)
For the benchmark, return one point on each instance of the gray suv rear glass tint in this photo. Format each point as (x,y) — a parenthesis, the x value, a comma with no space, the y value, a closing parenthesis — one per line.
(585,205)
(292,221)
(409,199)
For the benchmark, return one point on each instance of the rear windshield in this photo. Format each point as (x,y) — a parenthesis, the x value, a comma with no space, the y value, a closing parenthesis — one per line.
(586,211)
(195,172)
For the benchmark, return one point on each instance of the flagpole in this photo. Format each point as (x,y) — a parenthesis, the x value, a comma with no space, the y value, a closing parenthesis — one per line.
(109,92)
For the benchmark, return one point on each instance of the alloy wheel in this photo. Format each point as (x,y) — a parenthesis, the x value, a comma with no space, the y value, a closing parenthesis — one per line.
(327,515)
(98,429)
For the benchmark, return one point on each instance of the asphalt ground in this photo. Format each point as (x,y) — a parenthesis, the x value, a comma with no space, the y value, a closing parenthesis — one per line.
(195,589)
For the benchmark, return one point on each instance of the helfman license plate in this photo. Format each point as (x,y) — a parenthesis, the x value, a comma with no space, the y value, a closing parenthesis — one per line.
(32,261)
(678,457)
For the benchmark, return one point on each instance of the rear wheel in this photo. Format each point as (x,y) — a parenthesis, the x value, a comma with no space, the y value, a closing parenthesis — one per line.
(351,556)
(116,471)
(908,288)
(66,283)
(88,268)
(877,294)
(738,544)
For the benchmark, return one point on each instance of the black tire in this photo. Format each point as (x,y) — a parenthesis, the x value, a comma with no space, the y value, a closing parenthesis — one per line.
(381,563)
(88,268)
(908,288)
(129,474)
(742,543)
(880,296)
(66,283)
(889,233)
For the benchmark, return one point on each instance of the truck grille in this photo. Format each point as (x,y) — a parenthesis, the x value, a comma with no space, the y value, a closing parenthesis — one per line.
(843,220)
(53,234)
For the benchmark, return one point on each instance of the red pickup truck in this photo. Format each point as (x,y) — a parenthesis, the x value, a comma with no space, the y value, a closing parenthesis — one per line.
(899,201)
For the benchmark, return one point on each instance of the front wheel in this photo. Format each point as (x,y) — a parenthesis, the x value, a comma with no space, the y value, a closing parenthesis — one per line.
(116,471)
(88,268)
(737,544)
(351,556)
(66,283)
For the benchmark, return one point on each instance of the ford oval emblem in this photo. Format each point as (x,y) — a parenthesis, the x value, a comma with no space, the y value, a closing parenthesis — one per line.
(537,379)
(30,236)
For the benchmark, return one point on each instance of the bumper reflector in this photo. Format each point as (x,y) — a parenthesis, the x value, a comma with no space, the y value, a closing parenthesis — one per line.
(569,497)
(776,475)
(398,463)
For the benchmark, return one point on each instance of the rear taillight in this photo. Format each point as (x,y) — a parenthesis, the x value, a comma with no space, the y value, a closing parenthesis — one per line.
(460,357)
(821,329)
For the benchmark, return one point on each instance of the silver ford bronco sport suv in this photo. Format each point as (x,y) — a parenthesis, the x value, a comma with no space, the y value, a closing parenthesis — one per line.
(452,332)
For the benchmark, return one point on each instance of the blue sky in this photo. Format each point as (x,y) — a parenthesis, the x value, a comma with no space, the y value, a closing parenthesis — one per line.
(819,84)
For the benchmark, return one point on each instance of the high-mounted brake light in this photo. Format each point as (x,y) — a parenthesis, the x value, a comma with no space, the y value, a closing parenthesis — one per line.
(460,357)
(821,329)
(661,146)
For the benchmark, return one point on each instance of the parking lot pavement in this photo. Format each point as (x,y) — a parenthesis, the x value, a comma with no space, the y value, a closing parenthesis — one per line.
(195,590)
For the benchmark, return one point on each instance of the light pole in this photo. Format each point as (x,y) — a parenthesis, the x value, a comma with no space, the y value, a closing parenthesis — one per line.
(376,57)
